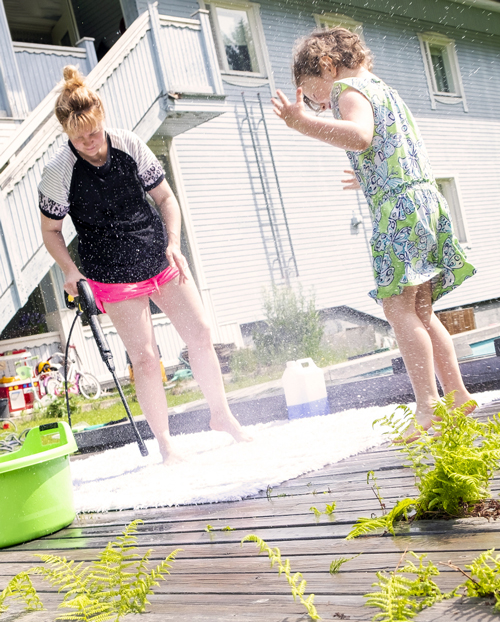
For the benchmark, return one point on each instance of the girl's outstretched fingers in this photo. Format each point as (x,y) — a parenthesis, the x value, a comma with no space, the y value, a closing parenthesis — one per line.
(278,105)
(351,183)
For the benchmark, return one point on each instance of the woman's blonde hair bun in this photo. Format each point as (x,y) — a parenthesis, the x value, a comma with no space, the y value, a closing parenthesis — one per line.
(72,78)
(78,107)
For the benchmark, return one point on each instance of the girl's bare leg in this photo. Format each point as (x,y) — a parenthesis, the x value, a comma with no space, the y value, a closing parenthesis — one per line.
(416,349)
(182,304)
(132,320)
(445,358)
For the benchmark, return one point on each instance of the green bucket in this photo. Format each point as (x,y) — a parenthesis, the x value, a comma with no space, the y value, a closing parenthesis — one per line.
(36,493)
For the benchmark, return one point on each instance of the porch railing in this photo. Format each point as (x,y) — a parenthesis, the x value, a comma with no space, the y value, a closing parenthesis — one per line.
(40,66)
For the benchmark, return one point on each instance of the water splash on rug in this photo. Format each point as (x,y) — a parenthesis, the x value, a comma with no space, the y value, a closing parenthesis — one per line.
(218,469)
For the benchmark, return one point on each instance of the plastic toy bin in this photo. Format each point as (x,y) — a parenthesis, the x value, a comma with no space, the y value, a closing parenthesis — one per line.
(36,493)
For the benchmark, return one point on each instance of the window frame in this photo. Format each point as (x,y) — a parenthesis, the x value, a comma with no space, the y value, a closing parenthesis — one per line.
(242,78)
(332,20)
(452,69)
(453,197)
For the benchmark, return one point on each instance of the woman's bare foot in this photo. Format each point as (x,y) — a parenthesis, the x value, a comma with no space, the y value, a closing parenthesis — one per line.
(228,423)
(169,455)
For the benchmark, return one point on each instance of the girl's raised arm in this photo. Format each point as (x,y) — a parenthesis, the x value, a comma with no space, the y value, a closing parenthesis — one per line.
(353,133)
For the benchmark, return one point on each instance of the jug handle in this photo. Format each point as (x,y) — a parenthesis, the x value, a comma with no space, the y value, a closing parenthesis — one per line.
(302,361)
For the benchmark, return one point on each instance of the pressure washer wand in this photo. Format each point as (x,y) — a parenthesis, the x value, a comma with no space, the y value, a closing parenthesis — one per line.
(87,301)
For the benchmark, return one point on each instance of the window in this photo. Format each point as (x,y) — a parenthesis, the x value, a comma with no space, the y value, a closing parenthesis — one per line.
(442,70)
(448,187)
(332,20)
(240,43)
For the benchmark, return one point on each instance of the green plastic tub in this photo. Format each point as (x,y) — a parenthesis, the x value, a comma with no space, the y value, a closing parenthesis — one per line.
(36,494)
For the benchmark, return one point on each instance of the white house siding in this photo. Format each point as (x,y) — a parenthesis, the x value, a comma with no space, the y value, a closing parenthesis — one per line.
(470,150)
(223,187)
(221,196)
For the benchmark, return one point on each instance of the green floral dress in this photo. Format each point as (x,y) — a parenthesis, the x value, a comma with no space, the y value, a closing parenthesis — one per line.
(412,239)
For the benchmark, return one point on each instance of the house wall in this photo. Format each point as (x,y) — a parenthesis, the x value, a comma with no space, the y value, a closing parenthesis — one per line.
(222,184)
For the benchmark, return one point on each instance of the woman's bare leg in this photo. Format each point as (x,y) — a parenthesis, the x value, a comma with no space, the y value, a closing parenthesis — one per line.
(182,304)
(132,320)
(445,358)
(416,349)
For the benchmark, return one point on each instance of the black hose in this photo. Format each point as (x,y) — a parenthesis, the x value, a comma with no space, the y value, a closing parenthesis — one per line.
(66,355)
(88,302)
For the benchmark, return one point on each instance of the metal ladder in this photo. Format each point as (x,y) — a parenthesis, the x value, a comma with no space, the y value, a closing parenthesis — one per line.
(278,242)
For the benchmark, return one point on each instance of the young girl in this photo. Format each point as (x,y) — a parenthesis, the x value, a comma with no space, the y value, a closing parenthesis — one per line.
(100,178)
(416,257)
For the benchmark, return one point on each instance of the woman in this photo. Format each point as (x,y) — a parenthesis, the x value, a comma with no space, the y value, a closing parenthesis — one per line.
(100,177)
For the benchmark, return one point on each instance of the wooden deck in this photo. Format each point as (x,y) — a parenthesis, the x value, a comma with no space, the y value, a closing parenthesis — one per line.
(215,579)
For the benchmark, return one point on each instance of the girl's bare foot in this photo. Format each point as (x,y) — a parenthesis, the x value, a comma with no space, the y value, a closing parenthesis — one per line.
(228,423)
(425,418)
(461,398)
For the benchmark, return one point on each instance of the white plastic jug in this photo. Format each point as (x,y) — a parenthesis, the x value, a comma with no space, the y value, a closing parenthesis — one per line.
(305,389)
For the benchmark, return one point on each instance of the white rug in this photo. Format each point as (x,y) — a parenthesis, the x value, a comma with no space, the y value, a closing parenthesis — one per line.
(218,469)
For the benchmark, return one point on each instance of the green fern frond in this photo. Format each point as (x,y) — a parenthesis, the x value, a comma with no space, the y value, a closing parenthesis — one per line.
(336,564)
(364,526)
(296,582)
(20,587)
(485,574)
(399,597)
(393,598)
(87,609)
(116,584)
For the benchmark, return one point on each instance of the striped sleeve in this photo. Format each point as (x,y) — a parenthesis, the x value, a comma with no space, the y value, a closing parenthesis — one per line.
(53,189)
(149,168)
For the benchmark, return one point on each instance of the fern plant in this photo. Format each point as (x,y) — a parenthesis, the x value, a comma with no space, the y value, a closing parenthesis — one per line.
(386,522)
(452,468)
(296,582)
(486,570)
(116,584)
(399,597)
(20,587)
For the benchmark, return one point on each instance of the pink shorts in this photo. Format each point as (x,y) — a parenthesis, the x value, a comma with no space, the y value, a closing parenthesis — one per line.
(117,292)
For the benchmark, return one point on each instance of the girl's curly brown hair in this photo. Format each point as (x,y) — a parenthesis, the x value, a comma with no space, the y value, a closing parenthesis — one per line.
(343,47)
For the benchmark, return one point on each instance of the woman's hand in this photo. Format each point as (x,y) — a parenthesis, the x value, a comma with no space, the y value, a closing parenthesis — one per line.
(177,259)
(351,183)
(71,278)
(292,114)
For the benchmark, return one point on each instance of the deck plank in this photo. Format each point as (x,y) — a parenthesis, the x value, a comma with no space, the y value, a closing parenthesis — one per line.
(214,578)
